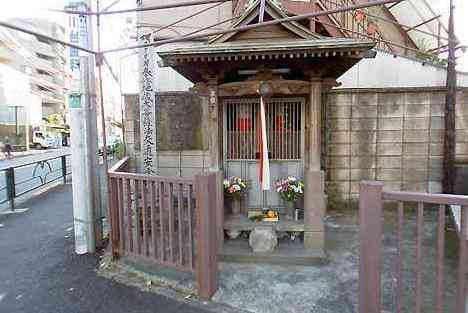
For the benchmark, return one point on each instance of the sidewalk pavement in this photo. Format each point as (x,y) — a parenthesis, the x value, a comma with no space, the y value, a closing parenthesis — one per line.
(40,273)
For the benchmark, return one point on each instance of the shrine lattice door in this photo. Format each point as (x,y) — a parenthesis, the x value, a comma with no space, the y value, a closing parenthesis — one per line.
(285,133)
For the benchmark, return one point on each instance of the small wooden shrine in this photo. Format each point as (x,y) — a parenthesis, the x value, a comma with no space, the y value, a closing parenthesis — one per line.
(297,65)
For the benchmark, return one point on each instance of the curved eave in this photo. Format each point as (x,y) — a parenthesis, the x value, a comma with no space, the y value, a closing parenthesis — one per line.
(246,50)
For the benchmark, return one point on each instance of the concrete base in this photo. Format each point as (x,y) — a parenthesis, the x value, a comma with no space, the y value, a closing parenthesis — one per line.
(287,253)
(314,240)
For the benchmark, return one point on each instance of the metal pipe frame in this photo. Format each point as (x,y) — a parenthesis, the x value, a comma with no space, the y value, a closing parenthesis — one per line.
(149,8)
(258,25)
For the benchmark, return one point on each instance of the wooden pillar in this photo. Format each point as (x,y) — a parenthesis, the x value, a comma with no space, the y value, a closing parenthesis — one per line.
(215,144)
(315,124)
(314,196)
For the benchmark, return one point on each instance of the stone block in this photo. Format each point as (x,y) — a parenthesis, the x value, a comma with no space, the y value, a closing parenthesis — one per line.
(461,122)
(365,98)
(415,149)
(416,123)
(190,172)
(437,135)
(389,136)
(354,187)
(168,159)
(395,123)
(461,148)
(339,137)
(366,111)
(437,123)
(417,110)
(363,124)
(169,171)
(436,149)
(435,174)
(390,110)
(462,98)
(364,149)
(363,137)
(418,98)
(461,109)
(338,174)
(338,162)
(388,174)
(339,123)
(435,162)
(434,187)
(414,175)
(393,185)
(437,110)
(338,187)
(389,162)
(416,136)
(437,97)
(192,161)
(390,98)
(414,186)
(339,98)
(389,149)
(461,135)
(339,149)
(339,111)
(362,162)
(263,239)
(415,162)
(362,174)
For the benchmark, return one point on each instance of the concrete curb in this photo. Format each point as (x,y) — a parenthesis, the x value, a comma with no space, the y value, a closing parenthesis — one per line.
(123,273)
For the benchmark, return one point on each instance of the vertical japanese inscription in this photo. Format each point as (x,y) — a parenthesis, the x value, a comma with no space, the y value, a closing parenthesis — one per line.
(147,107)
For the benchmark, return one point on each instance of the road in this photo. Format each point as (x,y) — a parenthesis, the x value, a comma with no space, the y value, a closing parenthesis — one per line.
(29,174)
(40,273)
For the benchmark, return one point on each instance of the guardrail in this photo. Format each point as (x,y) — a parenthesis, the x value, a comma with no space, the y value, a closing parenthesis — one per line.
(16,181)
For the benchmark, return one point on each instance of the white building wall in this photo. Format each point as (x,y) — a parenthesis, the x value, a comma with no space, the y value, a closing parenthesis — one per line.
(385,71)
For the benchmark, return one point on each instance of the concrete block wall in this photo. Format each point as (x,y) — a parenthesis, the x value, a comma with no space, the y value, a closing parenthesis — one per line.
(185,163)
(391,135)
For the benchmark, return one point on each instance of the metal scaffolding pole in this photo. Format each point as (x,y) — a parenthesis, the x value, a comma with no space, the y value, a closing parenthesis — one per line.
(257,25)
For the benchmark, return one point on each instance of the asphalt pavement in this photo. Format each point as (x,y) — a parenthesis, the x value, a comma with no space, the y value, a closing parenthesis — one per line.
(40,273)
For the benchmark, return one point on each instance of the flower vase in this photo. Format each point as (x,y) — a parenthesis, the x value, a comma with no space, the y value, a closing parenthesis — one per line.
(290,206)
(236,206)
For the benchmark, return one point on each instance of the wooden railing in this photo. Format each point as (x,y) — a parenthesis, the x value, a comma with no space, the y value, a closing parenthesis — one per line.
(166,220)
(371,201)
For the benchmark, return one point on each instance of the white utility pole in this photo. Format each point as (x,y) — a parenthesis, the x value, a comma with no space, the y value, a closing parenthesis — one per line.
(83,129)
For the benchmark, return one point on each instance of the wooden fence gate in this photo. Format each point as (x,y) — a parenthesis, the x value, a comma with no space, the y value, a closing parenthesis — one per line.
(371,201)
(170,221)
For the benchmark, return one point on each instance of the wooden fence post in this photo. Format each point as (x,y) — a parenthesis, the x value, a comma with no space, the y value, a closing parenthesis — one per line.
(114,232)
(370,236)
(207,266)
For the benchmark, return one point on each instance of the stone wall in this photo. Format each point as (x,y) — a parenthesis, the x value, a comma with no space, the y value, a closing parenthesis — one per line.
(132,132)
(180,144)
(391,135)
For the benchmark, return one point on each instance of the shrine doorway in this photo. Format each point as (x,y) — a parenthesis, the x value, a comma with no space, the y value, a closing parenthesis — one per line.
(285,135)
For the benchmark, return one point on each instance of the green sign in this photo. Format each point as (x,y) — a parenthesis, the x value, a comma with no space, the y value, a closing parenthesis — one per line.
(75,102)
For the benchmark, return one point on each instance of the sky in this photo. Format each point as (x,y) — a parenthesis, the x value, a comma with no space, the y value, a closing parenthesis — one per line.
(38,8)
